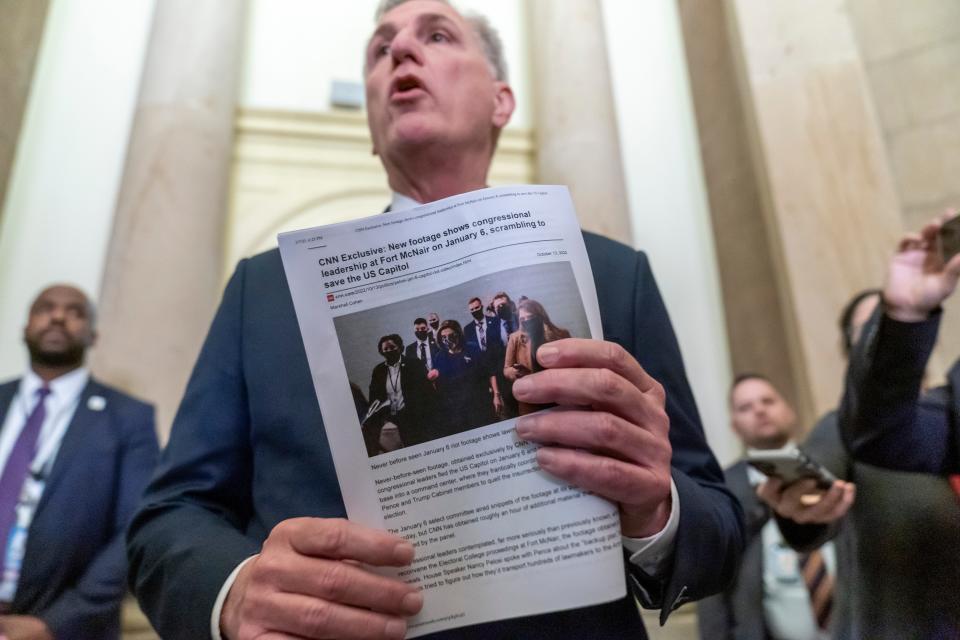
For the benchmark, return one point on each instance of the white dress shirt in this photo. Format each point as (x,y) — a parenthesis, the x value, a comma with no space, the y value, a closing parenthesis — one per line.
(651,554)
(786,599)
(427,355)
(61,404)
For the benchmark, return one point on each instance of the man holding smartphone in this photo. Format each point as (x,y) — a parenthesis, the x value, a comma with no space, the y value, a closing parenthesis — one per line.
(779,593)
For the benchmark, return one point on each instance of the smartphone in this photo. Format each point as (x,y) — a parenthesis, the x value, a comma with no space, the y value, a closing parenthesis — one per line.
(790,465)
(950,238)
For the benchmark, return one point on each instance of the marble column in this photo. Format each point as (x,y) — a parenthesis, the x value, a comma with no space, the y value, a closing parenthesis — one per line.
(576,127)
(21,28)
(829,202)
(163,275)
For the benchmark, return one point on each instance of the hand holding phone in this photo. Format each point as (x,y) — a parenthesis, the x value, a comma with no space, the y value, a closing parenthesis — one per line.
(790,465)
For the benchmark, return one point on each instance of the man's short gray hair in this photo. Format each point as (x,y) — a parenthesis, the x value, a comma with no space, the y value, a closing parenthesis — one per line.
(492,44)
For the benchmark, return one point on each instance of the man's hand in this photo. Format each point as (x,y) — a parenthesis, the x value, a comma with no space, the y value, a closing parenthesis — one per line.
(307,582)
(612,439)
(804,503)
(24,628)
(917,278)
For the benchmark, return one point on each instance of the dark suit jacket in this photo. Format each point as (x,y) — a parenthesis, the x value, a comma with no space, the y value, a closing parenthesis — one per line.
(417,398)
(247,450)
(412,350)
(884,418)
(494,341)
(74,568)
(737,612)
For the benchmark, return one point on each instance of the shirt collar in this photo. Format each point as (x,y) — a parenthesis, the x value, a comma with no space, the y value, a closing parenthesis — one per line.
(400,202)
(63,389)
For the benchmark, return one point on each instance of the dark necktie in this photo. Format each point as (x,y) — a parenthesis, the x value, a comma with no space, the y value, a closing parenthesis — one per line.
(819,584)
(423,352)
(17,467)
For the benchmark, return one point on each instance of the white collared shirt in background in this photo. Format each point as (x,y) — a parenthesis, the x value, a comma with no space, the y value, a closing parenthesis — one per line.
(786,599)
(61,405)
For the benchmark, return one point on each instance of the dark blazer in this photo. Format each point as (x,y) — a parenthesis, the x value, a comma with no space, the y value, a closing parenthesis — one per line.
(412,350)
(74,568)
(884,418)
(248,450)
(417,398)
(494,341)
(737,612)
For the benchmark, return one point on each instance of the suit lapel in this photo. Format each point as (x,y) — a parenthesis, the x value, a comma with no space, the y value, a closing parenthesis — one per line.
(83,427)
(7,392)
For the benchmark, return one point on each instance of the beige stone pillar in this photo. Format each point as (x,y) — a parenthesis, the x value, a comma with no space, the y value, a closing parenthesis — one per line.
(830,209)
(162,280)
(21,28)
(576,129)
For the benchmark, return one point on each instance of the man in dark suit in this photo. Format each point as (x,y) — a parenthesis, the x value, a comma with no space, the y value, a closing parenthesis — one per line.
(885,419)
(483,331)
(424,348)
(771,597)
(241,530)
(400,383)
(75,456)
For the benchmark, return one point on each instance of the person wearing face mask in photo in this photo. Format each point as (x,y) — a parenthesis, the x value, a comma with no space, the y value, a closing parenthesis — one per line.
(504,310)
(468,395)
(401,383)
(536,329)
(433,321)
(424,348)
(483,332)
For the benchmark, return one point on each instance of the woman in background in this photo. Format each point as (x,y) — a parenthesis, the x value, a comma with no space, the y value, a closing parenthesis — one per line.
(535,329)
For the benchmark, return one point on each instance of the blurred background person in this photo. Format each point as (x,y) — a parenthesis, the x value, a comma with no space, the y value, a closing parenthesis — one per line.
(536,329)
(899,584)
(778,594)
(467,393)
(75,456)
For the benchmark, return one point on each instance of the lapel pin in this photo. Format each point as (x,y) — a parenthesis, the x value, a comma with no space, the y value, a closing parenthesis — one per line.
(96,403)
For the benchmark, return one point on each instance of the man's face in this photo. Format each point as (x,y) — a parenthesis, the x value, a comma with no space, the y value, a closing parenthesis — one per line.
(475,308)
(434,321)
(59,328)
(761,417)
(420,330)
(428,81)
(499,303)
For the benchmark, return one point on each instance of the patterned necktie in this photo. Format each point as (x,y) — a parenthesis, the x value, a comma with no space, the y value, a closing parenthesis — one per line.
(17,467)
(423,352)
(819,584)
(481,331)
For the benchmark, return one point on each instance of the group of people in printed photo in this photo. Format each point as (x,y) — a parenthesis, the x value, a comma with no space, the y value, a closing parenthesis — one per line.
(450,377)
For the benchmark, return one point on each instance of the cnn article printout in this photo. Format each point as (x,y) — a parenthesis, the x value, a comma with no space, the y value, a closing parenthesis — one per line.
(415,325)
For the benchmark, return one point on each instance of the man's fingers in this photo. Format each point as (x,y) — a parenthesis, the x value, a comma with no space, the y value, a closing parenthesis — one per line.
(340,539)
(579,353)
(615,480)
(769,491)
(599,389)
(306,617)
(338,581)
(596,431)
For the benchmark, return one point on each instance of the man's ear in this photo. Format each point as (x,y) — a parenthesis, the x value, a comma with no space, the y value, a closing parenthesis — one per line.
(503,104)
